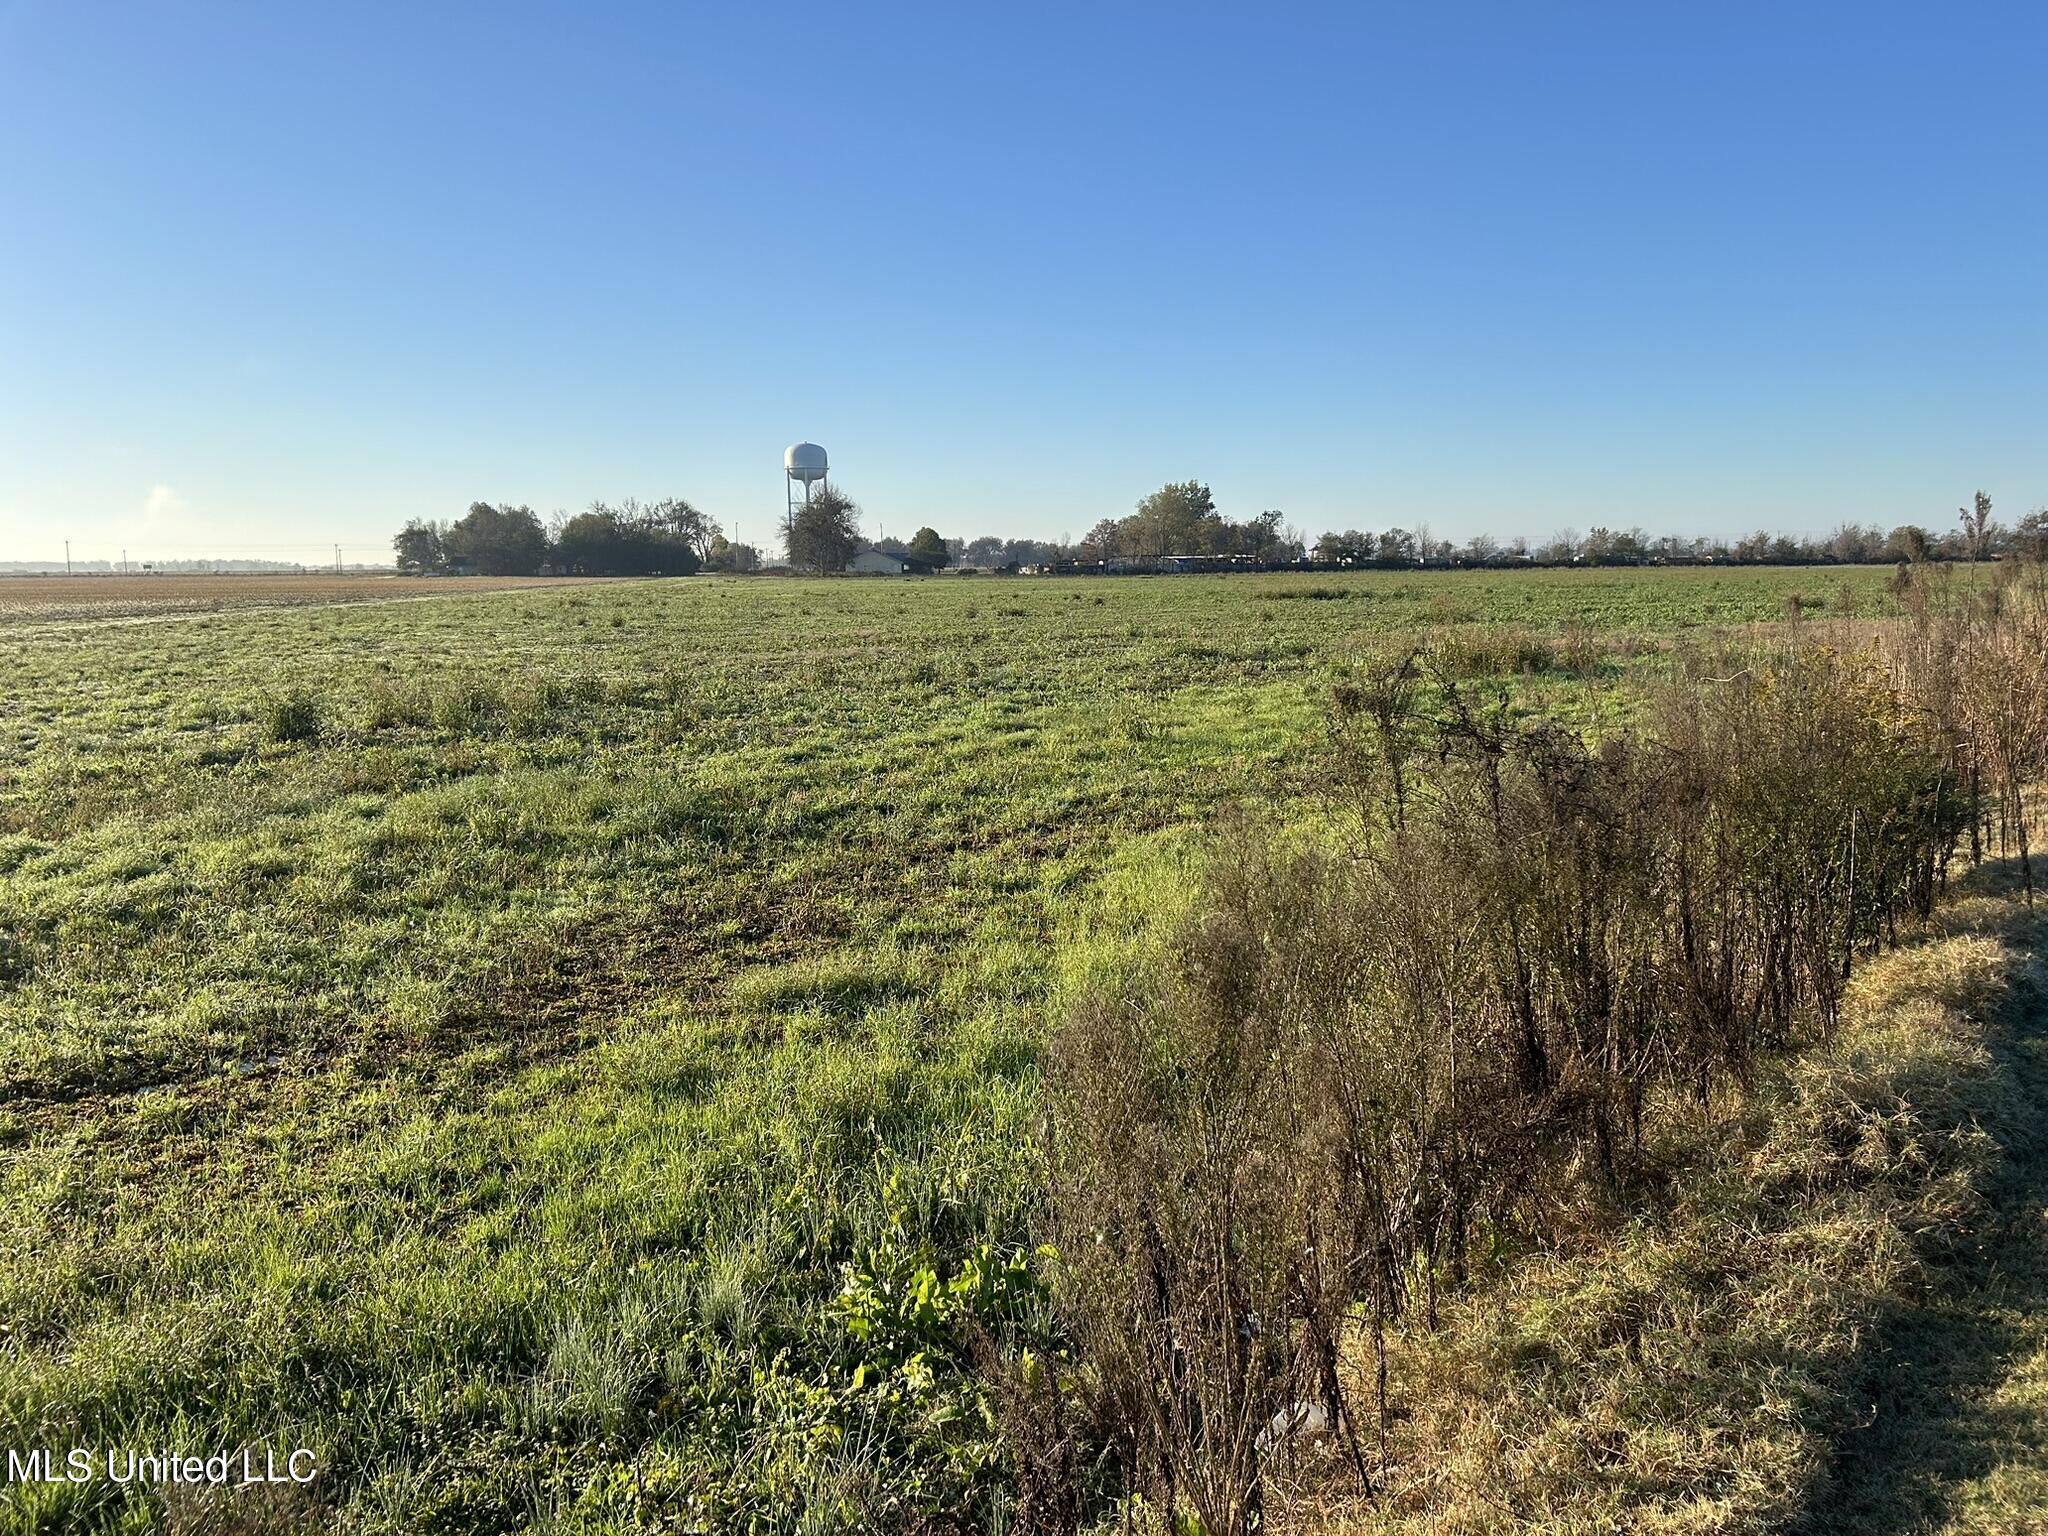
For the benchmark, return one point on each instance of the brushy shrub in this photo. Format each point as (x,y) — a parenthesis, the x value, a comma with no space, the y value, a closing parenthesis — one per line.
(1043,1426)
(1193,1197)
(1690,1372)
(1579,647)
(1978,672)
(1377,727)
(1810,808)
(1349,1070)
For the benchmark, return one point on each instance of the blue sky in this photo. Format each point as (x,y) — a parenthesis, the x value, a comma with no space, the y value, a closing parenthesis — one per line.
(276,276)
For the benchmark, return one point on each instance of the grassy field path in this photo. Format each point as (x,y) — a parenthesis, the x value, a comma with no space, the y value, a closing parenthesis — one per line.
(1956,1438)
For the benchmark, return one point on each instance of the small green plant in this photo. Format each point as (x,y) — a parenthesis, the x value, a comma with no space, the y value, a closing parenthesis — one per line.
(293,715)
(468,707)
(390,705)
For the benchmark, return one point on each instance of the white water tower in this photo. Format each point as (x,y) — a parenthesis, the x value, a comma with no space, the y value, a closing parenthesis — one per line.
(804,464)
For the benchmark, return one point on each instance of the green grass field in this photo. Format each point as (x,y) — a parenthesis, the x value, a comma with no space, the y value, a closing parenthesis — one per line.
(566,1055)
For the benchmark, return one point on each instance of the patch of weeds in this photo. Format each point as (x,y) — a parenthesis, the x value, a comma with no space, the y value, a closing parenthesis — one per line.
(390,705)
(469,707)
(293,715)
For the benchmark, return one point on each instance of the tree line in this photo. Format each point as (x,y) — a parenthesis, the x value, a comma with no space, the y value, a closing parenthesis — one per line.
(664,538)
(671,537)
(1977,536)
(1182,519)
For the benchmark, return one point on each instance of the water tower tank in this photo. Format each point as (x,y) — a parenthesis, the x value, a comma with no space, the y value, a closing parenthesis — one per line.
(804,462)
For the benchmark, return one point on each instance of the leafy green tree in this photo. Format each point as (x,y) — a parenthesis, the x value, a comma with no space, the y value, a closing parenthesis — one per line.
(1258,537)
(1031,552)
(498,541)
(686,524)
(588,543)
(926,546)
(1176,519)
(724,555)
(418,547)
(1105,541)
(824,533)
(1350,546)
(630,541)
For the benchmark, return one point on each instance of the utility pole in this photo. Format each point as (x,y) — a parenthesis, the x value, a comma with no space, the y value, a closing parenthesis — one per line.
(337,559)
(67,557)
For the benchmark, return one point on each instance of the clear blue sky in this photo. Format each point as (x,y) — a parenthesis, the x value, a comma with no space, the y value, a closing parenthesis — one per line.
(273,276)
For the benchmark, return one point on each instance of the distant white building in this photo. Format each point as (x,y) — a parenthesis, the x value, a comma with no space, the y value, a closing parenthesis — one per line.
(884,562)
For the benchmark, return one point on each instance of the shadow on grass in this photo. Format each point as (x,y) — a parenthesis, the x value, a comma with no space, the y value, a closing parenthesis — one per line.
(1953,1432)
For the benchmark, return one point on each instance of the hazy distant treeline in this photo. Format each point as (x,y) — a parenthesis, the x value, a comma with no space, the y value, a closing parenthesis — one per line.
(1182,520)
(671,537)
(159,567)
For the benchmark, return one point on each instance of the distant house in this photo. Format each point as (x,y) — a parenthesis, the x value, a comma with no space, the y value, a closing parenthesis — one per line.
(886,562)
